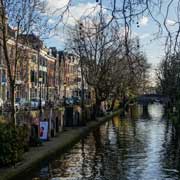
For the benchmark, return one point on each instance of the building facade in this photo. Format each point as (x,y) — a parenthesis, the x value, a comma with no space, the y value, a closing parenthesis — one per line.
(41,72)
(70,75)
(73,78)
(3,77)
(3,71)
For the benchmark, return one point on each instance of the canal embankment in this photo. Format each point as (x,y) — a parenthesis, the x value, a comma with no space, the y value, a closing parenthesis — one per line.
(62,142)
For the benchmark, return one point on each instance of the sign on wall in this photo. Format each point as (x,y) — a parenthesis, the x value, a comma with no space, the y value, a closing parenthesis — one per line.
(43,130)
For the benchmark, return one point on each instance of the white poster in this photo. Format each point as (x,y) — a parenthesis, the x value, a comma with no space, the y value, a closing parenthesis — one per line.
(43,130)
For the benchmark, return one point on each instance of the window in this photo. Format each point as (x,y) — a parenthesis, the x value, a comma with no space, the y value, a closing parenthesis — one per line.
(35,77)
(11,52)
(41,61)
(34,59)
(32,76)
(40,74)
(45,62)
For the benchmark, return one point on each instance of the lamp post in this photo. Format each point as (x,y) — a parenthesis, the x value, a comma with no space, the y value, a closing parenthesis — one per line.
(40,107)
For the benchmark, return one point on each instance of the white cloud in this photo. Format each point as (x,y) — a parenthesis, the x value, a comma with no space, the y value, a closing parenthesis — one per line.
(143,21)
(74,13)
(80,10)
(144,36)
(51,21)
(170,22)
(56,4)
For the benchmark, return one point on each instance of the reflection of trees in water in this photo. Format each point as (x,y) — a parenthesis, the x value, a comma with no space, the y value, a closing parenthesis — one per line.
(111,159)
(83,156)
(134,112)
(98,162)
(116,150)
(74,163)
(102,163)
(90,152)
(170,157)
(119,150)
(130,148)
(115,145)
(145,112)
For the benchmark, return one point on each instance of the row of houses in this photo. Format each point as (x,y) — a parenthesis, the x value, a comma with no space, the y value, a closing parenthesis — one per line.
(42,72)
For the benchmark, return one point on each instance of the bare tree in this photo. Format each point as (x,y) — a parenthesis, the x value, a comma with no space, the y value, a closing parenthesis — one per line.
(168,78)
(18,19)
(96,49)
(104,60)
(168,70)
(131,75)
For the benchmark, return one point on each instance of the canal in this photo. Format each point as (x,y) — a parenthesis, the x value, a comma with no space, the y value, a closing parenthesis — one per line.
(141,147)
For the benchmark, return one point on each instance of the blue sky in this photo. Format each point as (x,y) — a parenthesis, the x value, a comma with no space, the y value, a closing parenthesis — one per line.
(152,47)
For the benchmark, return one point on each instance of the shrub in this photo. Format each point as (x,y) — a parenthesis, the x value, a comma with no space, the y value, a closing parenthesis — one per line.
(13,143)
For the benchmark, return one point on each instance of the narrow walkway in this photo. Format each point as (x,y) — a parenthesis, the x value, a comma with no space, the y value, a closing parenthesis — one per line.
(61,142)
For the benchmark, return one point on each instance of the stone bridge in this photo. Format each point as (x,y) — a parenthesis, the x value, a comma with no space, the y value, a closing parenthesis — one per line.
(152,98)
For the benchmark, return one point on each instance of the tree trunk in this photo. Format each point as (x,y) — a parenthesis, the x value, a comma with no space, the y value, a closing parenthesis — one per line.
(113,103)
(98,108)
(12,100)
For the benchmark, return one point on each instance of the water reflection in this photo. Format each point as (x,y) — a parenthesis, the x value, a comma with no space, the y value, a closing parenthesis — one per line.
(144,148)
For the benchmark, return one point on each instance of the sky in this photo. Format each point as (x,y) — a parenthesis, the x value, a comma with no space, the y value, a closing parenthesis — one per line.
(147,30)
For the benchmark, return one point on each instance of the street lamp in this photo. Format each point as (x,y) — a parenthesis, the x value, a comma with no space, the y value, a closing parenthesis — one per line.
(40,107)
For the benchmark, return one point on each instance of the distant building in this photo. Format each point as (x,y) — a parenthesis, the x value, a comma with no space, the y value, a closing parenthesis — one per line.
(37,62)
(70,74)
(73,77)
(41,71)
(60,74)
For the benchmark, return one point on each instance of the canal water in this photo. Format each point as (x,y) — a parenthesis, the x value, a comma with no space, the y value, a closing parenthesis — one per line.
(143,146)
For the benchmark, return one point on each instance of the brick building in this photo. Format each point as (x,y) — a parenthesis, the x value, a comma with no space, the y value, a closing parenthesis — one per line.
(43,72)
(37,62)
(70,75)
